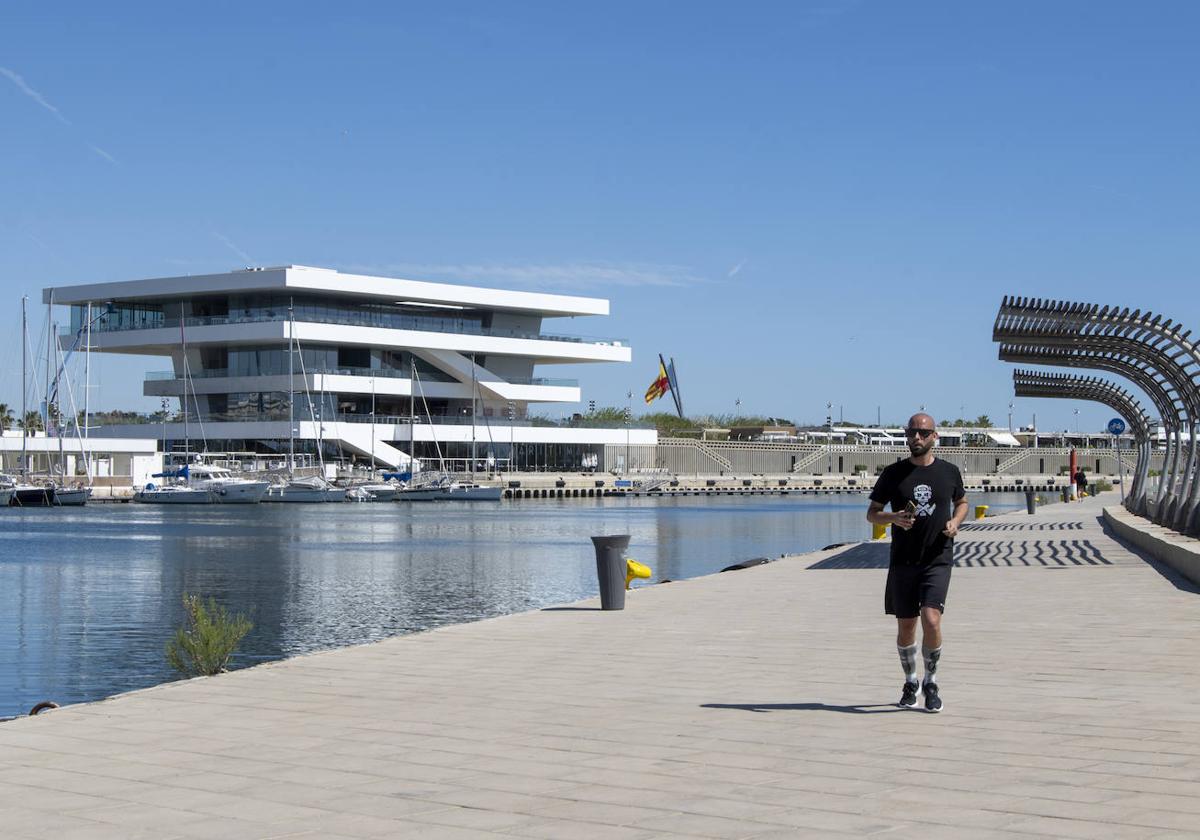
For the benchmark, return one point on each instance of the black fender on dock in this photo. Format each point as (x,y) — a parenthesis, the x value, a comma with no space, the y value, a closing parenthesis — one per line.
(746,564)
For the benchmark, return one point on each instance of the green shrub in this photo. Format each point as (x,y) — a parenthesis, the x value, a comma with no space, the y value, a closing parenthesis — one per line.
(1103,485)
(860,468)
(210,635)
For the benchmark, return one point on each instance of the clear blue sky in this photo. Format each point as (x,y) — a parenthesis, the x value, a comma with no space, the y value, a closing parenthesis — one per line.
(802,202)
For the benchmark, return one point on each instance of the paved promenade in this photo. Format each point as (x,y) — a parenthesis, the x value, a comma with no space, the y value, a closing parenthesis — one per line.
(752,704)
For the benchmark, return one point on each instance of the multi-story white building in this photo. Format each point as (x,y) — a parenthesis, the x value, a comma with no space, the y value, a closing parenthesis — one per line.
(381,368)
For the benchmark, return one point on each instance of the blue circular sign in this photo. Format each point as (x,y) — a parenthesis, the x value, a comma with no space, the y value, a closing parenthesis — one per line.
(1116,426)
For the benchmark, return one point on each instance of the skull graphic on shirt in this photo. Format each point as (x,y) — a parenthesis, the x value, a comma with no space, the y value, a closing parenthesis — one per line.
(923,496)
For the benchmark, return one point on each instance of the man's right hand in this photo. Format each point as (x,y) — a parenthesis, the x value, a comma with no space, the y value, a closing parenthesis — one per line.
(904,519)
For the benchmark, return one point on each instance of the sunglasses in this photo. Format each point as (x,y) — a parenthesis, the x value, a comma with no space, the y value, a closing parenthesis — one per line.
(922,432)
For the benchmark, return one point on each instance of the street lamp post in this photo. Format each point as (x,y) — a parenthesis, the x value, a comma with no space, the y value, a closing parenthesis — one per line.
(1010,426)
(628,420)
(829,426)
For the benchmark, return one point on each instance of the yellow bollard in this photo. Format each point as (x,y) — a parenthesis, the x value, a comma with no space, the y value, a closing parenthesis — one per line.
(878,532)
(981,511)
(634,569)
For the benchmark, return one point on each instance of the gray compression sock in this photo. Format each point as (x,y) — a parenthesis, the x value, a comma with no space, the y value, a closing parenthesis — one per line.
(908,661)
(931,655)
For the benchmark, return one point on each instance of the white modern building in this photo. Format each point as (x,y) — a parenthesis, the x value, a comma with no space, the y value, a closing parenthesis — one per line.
(380,368)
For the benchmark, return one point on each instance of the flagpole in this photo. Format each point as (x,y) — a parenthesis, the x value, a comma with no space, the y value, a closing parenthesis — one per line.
(628,420)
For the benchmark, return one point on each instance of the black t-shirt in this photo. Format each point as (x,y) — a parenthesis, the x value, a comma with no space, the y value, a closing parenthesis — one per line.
(934,490)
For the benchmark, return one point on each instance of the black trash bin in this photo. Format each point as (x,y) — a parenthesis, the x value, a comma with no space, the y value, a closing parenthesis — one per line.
(610,570)
(1030,502)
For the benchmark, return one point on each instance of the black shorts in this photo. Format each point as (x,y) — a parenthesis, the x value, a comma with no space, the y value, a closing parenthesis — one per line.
(911,587)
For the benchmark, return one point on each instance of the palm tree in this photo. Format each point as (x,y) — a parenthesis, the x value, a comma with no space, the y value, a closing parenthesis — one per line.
(6,417)
(33,421)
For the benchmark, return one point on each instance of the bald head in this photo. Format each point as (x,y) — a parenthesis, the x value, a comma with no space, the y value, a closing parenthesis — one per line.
(921,421)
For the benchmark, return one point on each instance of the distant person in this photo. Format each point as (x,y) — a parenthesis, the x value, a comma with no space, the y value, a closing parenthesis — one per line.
(1080,479)
(928,504)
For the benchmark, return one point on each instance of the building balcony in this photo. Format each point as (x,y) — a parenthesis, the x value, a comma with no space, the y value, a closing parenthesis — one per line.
(224,373)
(362,381)
(375,320)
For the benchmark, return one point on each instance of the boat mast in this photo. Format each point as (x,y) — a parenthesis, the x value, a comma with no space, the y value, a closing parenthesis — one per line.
(291,390)
(412,416)
(87,374)
(472,416)
(24,388)
(372,427)
(58,424)
(187,448)
(49,354)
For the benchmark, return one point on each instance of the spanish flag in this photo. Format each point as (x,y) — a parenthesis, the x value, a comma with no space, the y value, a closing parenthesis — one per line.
(659,386)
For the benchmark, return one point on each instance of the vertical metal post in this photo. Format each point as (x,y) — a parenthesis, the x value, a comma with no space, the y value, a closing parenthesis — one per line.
(1120,466)
(829,424)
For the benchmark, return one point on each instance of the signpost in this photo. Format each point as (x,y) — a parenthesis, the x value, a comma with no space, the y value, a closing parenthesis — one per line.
(1116,427)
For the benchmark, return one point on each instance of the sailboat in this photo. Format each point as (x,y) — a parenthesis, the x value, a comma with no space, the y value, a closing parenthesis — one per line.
(63,496)
(203,484)
(178,493)
(442,487)
(24,492)
(199,483)
(306,490)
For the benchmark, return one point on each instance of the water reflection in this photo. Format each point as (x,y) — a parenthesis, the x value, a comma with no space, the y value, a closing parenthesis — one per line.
(88,597)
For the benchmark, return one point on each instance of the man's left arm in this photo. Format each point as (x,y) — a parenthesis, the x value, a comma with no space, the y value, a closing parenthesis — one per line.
(960,509)
(960,513)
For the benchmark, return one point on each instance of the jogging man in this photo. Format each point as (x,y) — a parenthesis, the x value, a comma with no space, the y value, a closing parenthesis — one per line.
(928,504)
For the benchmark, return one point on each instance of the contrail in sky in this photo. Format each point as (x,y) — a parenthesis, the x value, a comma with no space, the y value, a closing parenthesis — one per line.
(33,94)
(229,244)
(103,153)
(733,271)
(545,275)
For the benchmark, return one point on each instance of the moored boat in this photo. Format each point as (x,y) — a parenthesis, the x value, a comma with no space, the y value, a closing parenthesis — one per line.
(32,495)
(467,492)
(173,494)
(311,490)
(204,484)
(71,496)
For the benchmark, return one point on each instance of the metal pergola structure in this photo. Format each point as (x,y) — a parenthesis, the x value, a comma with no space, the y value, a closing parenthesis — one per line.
(1029,383)
(1150,351)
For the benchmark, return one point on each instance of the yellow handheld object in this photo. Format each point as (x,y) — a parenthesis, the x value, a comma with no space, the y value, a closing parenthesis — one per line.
(634,569)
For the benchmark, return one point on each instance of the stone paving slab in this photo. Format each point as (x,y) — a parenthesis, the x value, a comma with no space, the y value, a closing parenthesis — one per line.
(754,704)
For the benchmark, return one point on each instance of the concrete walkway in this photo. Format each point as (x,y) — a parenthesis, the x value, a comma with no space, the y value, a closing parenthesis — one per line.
(750,704)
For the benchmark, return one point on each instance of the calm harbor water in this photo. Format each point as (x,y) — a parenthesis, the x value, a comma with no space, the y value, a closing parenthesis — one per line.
(89,596)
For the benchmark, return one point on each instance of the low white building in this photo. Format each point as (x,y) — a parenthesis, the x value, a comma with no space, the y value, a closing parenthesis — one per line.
(116,462)
(379,369)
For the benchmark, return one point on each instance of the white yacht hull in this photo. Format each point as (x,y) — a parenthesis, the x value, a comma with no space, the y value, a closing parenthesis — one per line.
(73,497)
(421,494)
(380,492)
(472,494)
(297,495)
(174,496)
(239,493)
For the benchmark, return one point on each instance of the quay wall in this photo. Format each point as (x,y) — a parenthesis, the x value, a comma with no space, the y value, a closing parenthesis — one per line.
(1170,547)
(681,456)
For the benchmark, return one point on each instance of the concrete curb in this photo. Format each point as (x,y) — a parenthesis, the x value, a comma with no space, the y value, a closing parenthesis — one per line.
(1179,552)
